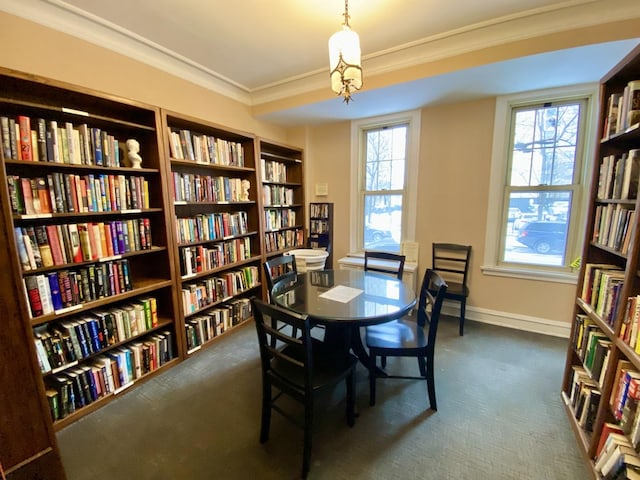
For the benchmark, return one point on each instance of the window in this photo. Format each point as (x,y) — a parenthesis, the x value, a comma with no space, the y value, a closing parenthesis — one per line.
(538,175)
(385,157)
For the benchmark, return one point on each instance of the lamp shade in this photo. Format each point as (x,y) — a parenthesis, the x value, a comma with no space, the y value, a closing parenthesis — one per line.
(345,44)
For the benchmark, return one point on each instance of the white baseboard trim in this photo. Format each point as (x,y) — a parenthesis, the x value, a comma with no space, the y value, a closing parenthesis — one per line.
(510,320)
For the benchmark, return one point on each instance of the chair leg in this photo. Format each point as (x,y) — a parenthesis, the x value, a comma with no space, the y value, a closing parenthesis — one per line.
(372,381)
(431,386)
(351,399)
(265,424)
(463,307)
(308,430)
(383,361)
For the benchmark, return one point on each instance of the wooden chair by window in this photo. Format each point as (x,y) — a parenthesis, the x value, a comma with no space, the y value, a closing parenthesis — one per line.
(396,263)
(451,261)
(410,338)
(296,367)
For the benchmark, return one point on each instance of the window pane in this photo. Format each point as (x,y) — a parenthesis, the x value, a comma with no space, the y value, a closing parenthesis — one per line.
(382,222)
(385,158)
(544,145)
(537,227)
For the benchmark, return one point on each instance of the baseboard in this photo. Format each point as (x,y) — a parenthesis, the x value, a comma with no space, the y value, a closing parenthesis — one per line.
(510,320)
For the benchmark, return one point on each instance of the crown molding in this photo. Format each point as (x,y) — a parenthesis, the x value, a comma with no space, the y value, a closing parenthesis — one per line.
(66,18)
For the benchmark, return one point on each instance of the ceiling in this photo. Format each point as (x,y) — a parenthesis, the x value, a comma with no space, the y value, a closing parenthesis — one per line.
(263,52)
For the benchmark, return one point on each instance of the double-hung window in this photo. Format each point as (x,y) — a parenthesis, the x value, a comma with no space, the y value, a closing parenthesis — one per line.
(384,200)
(540,202)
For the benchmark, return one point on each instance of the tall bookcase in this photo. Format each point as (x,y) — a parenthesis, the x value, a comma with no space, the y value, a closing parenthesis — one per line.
(603,353)
(321,229)
(218,253)
(282,182)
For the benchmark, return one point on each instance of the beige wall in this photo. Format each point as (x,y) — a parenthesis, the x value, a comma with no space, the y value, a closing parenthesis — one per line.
(59,56)
(455,158)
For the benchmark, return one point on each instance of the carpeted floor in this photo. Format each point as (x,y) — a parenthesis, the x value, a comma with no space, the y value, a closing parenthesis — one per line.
(499,417)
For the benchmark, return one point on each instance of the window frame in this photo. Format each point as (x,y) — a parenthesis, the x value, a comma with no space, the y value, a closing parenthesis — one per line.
(358,160)
(500,169)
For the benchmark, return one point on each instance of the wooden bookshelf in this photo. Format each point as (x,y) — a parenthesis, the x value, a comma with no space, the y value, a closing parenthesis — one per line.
(282,197)
(603,332)
(218,250)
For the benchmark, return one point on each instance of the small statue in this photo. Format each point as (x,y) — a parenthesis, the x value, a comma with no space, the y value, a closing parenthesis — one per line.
(133,149)
(244,194)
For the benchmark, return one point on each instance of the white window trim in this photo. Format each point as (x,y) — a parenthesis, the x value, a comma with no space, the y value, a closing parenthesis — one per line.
(409,210)
(499,159)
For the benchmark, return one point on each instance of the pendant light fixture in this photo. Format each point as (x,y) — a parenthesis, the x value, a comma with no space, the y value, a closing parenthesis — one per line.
(345,63)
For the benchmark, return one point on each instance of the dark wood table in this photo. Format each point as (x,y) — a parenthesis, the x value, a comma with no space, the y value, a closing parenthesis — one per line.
(383,298)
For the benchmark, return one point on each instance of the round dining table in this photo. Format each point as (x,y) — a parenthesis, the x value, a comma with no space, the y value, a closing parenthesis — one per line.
(343,301)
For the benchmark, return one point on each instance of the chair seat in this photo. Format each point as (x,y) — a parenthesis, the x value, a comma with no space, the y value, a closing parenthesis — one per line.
(324,373)
(457,289)
(403,334)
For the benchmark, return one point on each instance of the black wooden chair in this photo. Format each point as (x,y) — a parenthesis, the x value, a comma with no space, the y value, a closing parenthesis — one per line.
(410,338)
(394,261)
(279,268)
(451,261)
(295,367)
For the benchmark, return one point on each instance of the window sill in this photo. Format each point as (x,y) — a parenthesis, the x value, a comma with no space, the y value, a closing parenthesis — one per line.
(528,274)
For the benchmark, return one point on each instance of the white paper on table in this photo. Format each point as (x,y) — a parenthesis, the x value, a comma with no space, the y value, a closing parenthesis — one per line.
(340,293)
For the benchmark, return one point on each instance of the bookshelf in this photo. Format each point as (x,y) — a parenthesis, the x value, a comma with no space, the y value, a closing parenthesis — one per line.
(321,229)
(281,174)
(213,187)
(600,384)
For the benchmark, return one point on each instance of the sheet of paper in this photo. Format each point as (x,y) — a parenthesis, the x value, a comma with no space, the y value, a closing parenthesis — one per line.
(340,293)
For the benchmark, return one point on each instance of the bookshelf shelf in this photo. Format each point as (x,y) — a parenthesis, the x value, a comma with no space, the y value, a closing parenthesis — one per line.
(214,185)
(602,366)
(282,180)
(321,229)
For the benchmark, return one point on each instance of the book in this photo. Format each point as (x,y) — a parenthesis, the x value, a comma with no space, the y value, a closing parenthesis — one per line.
(43,246)
(24,124)
(633,103)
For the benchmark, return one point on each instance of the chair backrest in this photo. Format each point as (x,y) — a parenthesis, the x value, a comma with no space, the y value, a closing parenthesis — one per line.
(286,359)
(397,263)
(451,262)
(279,268)
(430,303)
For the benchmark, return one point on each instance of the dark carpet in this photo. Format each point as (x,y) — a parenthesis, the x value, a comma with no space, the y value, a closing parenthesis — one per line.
(499,417)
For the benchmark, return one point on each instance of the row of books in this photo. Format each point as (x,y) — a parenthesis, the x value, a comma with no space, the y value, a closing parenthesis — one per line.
(593,348)
(55,245)
(39,140)
(108,374)
(199,258)
(630,328)
(56,291)
(319,226)
(623,110)
(215,322)
(66,343)
(273,171)
(216,289)
(276,195)
(613,226)
(187,145)
(618,178)
(277,219)
(618,442)
(275,241)
(319,210)
(601,289)
(584,397)
(188,187)
(71,193)
(211,226)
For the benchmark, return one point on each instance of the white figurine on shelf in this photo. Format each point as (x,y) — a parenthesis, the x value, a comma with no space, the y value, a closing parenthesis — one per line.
(244,194)
(133,149)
